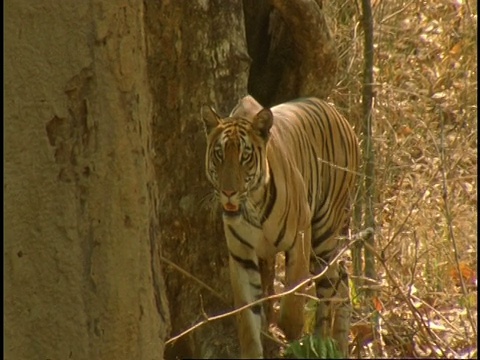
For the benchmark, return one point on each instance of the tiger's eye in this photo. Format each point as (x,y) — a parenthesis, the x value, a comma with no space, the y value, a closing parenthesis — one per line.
(246,155)
(218,153)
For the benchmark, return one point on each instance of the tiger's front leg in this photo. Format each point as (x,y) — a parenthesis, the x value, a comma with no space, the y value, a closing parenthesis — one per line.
(246,283)
(247,287)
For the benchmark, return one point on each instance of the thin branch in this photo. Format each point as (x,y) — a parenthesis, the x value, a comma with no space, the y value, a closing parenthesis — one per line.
(338,167)
(260,301)
(197,280)
(386,18)
(413,207)
(424,328)
(448,217)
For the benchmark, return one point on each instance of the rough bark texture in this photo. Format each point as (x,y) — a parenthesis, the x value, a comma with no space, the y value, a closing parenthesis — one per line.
(368,149)
(82,279)
(292,50)
(197,54)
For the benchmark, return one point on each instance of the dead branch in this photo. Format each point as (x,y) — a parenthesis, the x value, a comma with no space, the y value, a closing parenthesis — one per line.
(262,300)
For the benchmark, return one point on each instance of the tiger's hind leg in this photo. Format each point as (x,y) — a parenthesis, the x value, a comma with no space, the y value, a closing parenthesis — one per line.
(334,308)
(296,270)
(342,311)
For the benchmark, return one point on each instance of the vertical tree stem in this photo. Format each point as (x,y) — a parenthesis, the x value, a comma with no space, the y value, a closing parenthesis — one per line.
(368,152)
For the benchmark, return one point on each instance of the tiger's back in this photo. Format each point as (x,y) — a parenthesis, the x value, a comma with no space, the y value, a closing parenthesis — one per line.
(324,148)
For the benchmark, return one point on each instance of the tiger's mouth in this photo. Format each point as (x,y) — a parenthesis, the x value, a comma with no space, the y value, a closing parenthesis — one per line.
(231,210)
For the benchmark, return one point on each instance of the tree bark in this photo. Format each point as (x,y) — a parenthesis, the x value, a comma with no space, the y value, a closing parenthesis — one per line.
(292,50)
(82,279)
(197,55)
(368,150)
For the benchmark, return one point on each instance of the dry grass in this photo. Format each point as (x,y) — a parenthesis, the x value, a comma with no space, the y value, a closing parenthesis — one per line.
(425,136)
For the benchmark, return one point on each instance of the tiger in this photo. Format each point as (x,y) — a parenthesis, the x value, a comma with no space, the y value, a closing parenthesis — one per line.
(284,177)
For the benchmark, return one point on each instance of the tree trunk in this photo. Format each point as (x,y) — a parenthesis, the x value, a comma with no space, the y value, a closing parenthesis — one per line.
(292,50)
(82,277)
(197,55)
(368,150)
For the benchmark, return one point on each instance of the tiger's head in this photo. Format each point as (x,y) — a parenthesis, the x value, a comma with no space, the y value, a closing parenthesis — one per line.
(236,155)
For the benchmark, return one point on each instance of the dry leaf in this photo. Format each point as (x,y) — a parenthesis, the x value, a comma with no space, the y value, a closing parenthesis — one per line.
(362,333)
(439,95)
(468,274)
(456,49)
(377,304)
(404,131)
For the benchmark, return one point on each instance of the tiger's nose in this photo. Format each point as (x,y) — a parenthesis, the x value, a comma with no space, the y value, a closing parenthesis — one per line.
(228,193)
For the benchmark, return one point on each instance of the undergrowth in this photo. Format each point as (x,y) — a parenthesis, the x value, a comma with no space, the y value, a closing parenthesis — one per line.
(312,347)
(425,138)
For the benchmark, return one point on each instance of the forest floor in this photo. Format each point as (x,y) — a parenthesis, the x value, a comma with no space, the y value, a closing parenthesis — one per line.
(425,143)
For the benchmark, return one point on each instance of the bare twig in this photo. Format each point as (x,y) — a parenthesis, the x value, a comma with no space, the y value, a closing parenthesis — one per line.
(260,301)
(197,280)
(448,217)
(386,18)
(413,207)
(424,328)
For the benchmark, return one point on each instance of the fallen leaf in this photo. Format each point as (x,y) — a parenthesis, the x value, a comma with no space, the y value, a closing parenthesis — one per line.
(362,333)
(404,130)
(468,274)
(439,95)
(377,304)
(456,49)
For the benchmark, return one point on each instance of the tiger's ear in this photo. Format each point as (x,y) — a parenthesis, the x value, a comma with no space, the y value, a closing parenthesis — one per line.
(210,118)
(262,122)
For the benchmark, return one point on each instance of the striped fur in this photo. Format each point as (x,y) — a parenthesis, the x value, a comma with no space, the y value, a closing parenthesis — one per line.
(284,178)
